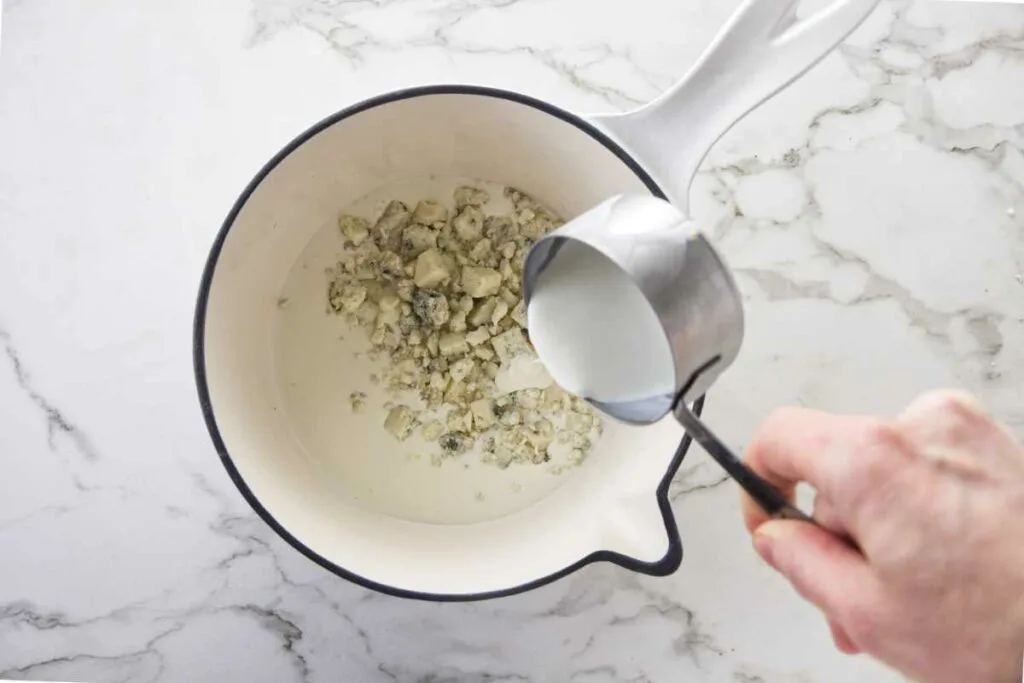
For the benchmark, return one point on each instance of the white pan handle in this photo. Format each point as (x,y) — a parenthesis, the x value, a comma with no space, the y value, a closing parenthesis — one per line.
(762,49)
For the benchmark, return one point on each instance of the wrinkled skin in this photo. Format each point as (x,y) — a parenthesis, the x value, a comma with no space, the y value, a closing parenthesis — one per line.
(919,560)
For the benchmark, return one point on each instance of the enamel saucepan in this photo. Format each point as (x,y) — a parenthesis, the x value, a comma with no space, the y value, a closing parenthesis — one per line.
(330,481)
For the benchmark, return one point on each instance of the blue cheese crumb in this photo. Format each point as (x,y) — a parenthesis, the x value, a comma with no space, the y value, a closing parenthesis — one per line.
(400,422)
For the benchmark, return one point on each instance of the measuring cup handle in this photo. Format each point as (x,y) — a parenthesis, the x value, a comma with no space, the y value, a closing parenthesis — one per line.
(764,494)
(761,49)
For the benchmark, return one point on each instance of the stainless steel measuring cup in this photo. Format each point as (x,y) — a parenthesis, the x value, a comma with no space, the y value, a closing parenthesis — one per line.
(762,48)
(692,293)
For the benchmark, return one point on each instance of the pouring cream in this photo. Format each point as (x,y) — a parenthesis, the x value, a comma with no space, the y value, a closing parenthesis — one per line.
(595,332)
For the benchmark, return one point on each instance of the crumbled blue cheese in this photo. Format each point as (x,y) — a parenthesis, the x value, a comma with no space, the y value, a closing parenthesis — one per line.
(417,239)
(346,297)
(390,308)
(579,423)
(452,344)
(470,196)
(482,312)
(480,282)
(477,337)
(432,430)
(519,314)
(430,307)
(483,413)
(400,422)
(508,296)
(367,312)
(387,231)
(431,269)
(500,229)
(429,212)
(457,323)
(523,371)
(461,369)
(510,344)
(355,230)
(481,252)
(438,292)
(469,224)
(500,311)
(454,443)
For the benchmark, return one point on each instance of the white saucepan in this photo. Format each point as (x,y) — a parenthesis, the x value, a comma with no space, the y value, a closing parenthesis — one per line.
(275,373)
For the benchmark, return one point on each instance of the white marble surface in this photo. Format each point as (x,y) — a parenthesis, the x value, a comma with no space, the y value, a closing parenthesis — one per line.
(875,213)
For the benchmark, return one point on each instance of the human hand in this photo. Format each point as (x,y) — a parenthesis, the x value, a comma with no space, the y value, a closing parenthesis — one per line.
(919,560)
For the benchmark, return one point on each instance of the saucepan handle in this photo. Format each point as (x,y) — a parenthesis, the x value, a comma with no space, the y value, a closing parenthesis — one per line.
(762,48)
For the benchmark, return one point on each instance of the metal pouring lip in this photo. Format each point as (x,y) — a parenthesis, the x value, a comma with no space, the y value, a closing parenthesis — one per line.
(638,413)
(679,274)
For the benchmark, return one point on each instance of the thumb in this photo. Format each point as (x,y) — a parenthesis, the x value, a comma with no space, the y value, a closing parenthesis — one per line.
(823,568)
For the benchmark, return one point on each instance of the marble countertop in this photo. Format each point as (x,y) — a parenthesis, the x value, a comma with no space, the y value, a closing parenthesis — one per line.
(874,213)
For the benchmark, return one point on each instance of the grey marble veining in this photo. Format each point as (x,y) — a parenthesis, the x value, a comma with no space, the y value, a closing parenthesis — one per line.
(874,213)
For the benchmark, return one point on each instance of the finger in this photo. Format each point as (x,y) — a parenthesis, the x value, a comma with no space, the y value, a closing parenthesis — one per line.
(843,642)
(953,426)
(944,416)
(940,399)
(797,444)
(822,568)
(826,515)
(753,514)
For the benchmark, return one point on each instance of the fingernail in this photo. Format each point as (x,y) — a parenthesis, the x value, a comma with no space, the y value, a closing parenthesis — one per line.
(764,542)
